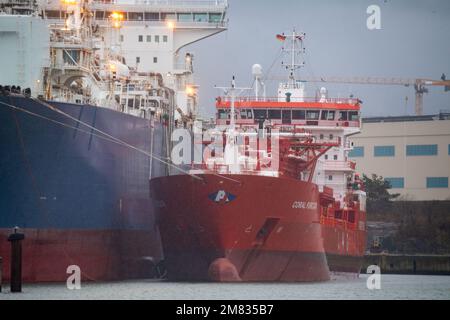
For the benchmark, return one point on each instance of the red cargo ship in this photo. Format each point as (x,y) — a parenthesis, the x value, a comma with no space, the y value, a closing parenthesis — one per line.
(283,202)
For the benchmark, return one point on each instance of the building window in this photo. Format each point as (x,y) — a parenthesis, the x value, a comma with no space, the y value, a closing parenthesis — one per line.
(357,152)
(121,38)
(437,182)
(155,59)
(422,150)
(138,59)
(140,38)
(384,151)
(149,38)
(396,183)
(164,38)
(157,39)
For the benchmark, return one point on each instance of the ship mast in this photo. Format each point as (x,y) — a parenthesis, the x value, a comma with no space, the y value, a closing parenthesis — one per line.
(294,50)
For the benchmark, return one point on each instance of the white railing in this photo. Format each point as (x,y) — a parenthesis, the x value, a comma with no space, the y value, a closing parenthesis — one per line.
(175,3)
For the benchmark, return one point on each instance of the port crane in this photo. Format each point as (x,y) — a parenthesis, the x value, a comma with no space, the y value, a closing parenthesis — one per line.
(420,85)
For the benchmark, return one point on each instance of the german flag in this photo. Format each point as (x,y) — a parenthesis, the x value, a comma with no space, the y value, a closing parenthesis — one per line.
(281,37)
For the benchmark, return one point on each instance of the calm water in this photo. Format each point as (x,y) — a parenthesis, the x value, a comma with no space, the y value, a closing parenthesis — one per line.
(392,287)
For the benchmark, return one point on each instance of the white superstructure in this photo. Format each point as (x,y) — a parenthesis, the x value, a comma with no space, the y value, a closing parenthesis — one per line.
(108,50)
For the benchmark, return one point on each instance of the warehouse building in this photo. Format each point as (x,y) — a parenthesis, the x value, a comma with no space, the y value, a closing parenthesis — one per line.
(411,152)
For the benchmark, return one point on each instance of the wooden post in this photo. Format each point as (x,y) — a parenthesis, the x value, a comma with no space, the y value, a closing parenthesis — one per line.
(16,260)
(1,273)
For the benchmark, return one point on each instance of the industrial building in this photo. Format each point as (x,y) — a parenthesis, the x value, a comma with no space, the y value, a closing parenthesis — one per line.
(411,152)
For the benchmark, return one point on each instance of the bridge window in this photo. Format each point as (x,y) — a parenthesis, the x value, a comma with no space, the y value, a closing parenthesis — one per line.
(152,16)
(343,116)
(246,114)
(200,17)
(298,114)
(168,16)
(331,115)
(185,17)
(260,113)
(140,38)
(165,38)
(275,114)
(135,16)
(215,17)
(353,116)
(224,114)
(312,115)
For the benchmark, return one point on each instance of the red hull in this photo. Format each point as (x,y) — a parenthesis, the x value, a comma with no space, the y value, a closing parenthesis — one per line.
(256,232)
(102,255)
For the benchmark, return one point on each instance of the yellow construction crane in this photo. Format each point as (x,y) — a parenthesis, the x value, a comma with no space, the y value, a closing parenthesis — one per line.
(420,85)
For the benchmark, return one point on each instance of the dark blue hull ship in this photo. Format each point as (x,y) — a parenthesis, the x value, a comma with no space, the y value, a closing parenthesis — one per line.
(74,179)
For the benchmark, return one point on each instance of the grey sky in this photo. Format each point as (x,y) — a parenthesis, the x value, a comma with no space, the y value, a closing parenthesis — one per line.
(414,42)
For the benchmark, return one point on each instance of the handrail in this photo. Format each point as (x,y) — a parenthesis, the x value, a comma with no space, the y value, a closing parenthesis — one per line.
(350,101)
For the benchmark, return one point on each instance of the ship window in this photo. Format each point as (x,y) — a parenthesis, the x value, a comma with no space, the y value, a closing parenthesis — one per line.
(168,16)
(185,17)
(343,116)
(324,115)
(312,115)
(260,114)
(52,14)
(151,16)
(223,114)
(215,17)
(99,15)
(121,38)
(274,114)
(71,57)
(135,16)
(137,102)
(330,178)
(200,17)
(335,157)
(155,59)
(338,214)
(353,116)
(298,114)
(149,38)
(331,115)
(164,38)
(249,114)
(130,103)
(326,157)
(157,39)
(138,59)
(243,114)
(140,38)
(331,137)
